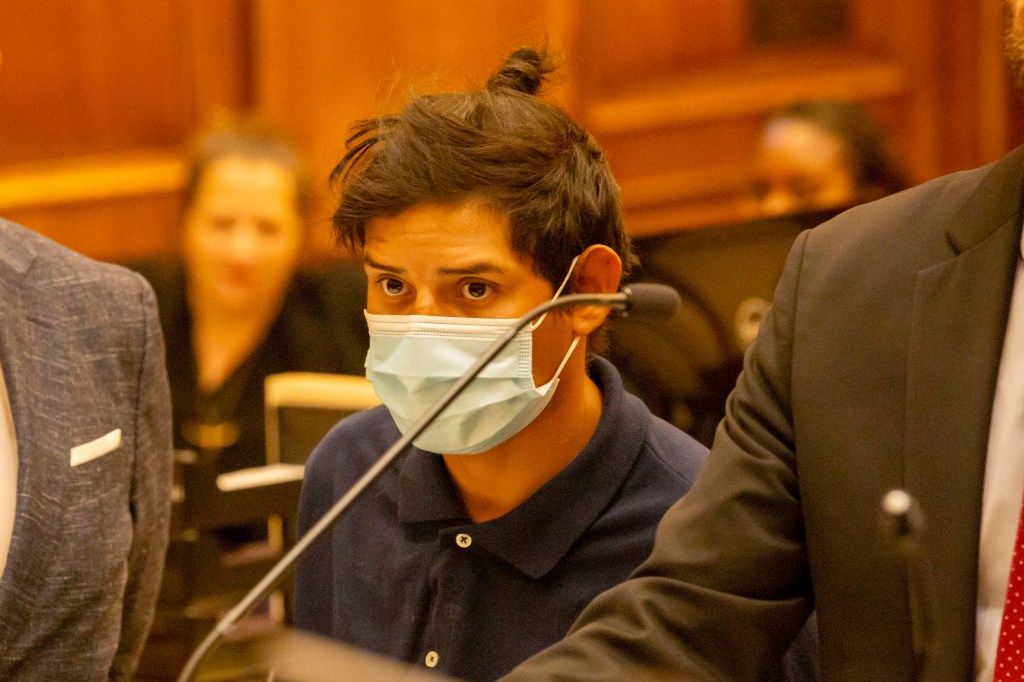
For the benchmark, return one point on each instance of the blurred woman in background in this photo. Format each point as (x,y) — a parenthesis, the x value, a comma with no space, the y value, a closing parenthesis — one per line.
(236,306)
(824,154)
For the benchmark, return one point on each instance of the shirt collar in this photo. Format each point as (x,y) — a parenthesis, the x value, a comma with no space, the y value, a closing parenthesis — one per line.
(538,533)
(425,490)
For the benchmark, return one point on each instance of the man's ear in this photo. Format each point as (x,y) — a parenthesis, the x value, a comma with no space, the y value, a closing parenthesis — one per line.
(598,271)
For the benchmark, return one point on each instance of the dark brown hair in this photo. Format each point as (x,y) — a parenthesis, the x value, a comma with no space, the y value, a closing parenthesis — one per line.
(503,146)
(249,138)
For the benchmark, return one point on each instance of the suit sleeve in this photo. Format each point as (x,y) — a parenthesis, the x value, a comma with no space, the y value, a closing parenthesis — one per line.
(727,586)
(150,496)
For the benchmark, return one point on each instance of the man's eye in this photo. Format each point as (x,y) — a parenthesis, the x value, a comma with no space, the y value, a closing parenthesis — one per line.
(392,286)
(476,290)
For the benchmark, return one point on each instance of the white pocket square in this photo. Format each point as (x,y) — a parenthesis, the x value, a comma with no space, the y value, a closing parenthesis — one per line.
(87,452)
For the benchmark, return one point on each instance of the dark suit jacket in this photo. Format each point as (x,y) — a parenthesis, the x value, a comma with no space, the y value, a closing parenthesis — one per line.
(875,369)
(82,356)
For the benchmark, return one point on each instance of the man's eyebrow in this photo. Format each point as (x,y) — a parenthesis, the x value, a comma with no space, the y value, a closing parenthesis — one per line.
(471,269)
(474,269)
(380,266)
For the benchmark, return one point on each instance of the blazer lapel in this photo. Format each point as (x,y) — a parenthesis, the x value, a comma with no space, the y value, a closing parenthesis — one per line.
(959,320)
(40,477)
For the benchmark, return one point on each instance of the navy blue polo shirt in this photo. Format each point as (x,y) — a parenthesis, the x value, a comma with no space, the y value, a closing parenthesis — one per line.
(406,574)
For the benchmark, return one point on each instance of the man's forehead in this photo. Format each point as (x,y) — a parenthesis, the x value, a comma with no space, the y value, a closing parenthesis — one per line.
(451,228)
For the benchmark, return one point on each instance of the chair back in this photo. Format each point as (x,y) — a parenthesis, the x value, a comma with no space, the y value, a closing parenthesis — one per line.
(301,407)
(684,367)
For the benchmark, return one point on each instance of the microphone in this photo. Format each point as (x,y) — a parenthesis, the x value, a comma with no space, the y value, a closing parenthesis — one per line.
(651,300)
(641,300)
(903,523)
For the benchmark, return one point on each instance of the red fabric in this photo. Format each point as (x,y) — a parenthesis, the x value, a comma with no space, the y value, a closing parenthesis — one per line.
(1010,653)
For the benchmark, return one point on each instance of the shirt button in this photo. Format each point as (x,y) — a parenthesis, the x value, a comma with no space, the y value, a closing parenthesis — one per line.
(463,540)
(431,659)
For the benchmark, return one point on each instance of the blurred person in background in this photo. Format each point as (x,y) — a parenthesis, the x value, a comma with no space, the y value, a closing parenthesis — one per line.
(236,306)
(823,154)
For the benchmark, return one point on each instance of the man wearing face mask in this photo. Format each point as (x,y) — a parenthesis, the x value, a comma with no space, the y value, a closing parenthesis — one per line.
(542,485)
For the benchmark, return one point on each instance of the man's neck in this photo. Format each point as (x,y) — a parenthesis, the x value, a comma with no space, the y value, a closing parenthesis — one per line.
(497,481)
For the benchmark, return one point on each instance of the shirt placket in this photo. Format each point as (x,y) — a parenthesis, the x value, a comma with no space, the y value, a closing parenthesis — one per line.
(450,586)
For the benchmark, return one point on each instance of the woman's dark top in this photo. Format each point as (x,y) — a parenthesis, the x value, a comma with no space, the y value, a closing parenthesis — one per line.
(320,328)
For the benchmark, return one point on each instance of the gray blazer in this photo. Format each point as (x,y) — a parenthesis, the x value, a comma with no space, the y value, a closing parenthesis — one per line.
(875,369)
(82,356)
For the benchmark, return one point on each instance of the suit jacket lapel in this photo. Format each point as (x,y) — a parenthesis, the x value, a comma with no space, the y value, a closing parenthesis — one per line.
(40,477)
(959,321)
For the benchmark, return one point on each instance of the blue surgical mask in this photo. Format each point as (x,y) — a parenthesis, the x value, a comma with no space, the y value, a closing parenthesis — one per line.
(414,359)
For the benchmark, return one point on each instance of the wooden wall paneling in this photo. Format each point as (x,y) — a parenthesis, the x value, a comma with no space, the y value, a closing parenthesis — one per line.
(753,87)
(563,22)
(698,144)
(869,30)
(1001,120)
(675,92)
(88,78)
(96,101)
(789,23)
(668,152)
(323,65)
(114,229)
(218,55)
(904,33)
(115,75)
(57,183)
(922,39)
(111,207)
(979,100)
(896,37)
(960,62)
(633,46)
(707,128)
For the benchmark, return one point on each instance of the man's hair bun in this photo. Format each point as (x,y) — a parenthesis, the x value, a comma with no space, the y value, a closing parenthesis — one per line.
(523,71)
